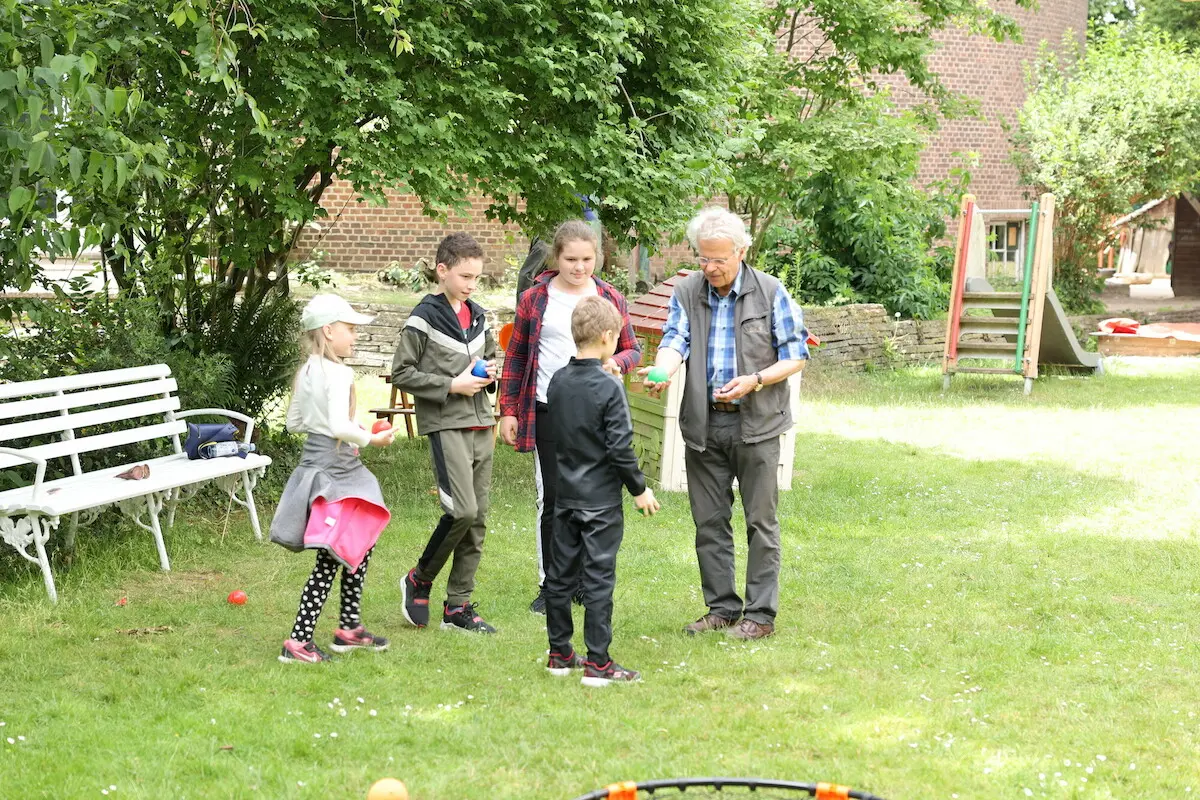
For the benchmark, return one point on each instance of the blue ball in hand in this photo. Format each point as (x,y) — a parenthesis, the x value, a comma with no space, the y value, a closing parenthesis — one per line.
(480,368)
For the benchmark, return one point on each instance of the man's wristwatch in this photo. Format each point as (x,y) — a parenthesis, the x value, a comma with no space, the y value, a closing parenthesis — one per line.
(758,388)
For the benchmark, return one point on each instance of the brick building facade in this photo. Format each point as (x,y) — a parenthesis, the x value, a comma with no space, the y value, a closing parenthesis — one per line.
(359,237)
(994,74)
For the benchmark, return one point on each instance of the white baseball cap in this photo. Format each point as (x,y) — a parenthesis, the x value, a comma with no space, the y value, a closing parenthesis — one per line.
(326,309)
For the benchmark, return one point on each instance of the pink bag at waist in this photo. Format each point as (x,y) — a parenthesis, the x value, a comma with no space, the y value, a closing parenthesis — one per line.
(347,528)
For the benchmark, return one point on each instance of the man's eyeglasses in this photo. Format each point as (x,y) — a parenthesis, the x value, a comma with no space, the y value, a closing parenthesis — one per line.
(716,262)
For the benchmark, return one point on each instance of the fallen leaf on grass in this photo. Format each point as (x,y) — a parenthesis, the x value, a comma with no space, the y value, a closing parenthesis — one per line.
(145,631)
(226,747)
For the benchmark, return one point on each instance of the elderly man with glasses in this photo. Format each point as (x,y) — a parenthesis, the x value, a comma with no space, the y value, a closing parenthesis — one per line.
(742,336)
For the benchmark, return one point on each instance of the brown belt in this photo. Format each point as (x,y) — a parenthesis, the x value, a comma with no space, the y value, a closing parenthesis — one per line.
(728,408)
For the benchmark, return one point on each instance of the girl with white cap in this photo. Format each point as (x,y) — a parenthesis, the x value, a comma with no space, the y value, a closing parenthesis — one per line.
(332,503)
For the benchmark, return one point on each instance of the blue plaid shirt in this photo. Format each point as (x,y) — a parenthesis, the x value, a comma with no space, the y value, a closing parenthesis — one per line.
(788,334)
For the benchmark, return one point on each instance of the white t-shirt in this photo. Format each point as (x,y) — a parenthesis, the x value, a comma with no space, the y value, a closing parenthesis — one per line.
(321,402)
(556,346)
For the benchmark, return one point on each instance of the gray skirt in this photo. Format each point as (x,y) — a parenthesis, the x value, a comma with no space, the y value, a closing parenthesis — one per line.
(330,469)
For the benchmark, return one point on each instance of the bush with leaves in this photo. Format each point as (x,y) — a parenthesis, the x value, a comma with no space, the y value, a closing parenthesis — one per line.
(865,232)
(1105,130)
(89,333)
(1174,17)
(260,338)
(416,278)
(78,334)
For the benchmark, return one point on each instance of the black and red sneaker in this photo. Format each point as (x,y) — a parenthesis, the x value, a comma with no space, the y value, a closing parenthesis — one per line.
(347,640)
(464,618)
(297,652)
(561,666)
(416,599)
(612,672)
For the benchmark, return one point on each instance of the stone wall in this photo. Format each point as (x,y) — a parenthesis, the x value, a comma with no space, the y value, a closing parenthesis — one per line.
(377,341)
(852,337)
(856,337)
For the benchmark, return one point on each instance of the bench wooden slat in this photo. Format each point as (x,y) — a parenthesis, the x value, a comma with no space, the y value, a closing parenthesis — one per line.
(64,422)
(95,397)
(87,444)
(87,380)
(67,495)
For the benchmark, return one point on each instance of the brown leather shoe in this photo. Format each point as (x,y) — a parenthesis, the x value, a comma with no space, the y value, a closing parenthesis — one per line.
(749,630)
(709,622)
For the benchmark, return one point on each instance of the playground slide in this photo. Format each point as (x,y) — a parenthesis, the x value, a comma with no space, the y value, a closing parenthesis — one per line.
(1059,345)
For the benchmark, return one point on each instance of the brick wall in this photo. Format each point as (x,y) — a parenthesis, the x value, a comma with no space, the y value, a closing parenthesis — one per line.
(364,238)
(359,237)
(994,74)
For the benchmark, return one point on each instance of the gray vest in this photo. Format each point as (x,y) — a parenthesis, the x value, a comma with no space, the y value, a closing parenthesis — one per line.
(766,413)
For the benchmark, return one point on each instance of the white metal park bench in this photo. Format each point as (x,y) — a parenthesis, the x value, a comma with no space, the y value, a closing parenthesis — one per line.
(68,409)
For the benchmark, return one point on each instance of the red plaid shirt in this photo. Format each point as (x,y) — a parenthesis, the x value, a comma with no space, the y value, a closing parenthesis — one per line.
(518,384)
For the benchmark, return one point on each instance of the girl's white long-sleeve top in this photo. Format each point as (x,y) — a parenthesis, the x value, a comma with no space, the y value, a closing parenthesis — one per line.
(321,402)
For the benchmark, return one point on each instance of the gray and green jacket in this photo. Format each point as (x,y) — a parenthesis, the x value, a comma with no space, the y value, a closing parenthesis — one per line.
(433,350)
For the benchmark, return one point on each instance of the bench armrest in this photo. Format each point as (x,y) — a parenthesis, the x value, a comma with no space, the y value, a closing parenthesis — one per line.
(221,412)
(41,468)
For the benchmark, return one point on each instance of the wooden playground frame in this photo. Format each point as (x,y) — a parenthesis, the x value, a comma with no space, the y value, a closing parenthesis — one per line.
(1030,301)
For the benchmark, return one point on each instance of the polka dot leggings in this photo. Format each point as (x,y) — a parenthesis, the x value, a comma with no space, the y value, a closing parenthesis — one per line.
(316,591)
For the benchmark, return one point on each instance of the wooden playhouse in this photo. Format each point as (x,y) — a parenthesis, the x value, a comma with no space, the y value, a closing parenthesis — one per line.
(656,437)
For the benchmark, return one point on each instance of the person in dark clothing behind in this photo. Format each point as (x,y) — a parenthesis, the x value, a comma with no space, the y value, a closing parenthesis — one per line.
(594,445)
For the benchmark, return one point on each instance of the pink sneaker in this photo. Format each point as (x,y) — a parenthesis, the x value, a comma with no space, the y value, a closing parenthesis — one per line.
(295,652)
(359,638)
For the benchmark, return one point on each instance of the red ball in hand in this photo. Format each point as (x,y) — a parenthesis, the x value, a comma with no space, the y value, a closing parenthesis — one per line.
(237,598)
(380,426)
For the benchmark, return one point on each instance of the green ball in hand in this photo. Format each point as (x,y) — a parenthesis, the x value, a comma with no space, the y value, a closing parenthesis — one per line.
(657,375)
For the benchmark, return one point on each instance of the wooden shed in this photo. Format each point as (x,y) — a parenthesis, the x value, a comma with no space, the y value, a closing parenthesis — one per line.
(1159,237)
(656,437)
(1185,260)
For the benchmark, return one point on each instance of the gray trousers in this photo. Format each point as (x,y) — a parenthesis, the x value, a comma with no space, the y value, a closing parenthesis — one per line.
(462,464)
(710,475)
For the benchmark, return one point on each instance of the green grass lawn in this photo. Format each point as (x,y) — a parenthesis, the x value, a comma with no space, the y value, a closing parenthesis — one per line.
(983,595)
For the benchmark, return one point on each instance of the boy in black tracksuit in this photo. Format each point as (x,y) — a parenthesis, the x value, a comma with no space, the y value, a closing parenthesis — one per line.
(595,460)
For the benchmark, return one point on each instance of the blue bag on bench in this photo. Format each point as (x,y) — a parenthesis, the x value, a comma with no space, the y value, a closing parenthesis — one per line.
(201,438)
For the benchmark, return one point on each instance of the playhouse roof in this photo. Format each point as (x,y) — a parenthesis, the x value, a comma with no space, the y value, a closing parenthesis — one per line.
(649,312)
(1125,220)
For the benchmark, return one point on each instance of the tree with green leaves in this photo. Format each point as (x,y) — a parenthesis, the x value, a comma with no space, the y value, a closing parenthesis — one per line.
(1178,18)
(203,134)
(1105,130)
(817,124)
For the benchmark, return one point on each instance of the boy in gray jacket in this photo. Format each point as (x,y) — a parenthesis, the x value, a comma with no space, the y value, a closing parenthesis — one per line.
(443,338)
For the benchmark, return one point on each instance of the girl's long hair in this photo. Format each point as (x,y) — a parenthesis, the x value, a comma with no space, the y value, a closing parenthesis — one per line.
(314,343)
(574,230)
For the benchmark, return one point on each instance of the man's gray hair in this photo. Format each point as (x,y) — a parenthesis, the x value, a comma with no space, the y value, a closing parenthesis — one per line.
(715,222)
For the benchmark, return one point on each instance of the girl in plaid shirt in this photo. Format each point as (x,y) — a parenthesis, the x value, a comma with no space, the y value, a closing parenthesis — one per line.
(541,344)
